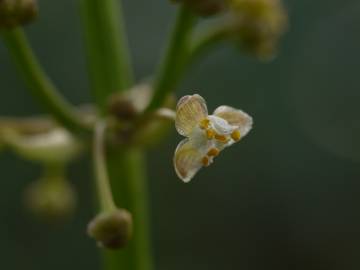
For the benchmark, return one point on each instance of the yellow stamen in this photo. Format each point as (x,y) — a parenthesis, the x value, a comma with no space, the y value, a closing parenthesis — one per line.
(204,124)
(236,136)
(221,138)
(210,134)
(205,161)
(213,152)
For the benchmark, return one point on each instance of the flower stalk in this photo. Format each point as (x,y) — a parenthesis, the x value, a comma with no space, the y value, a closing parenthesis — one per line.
(171,67)
(100,169)
(38,82)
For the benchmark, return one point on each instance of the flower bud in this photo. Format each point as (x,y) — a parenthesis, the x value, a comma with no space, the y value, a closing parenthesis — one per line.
(258,25)
(127,107)
(205,7)
(17,12)
(51,198)
(57,145)
(111,230)
(122,108)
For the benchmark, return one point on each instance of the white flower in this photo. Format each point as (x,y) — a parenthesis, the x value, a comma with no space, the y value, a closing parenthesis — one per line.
(207,135)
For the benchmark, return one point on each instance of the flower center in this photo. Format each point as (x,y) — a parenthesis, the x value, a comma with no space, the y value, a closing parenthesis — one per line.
(213,133)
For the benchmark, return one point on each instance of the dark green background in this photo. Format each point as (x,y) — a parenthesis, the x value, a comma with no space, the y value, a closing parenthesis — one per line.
(287,197)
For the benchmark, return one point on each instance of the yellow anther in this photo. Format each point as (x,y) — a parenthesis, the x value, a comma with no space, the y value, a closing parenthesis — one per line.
(210,134)
(213,152)
(221,138)
(205,161)
(236,135)
(204,124)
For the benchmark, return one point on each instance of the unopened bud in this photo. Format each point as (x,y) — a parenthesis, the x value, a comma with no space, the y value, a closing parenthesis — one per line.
(126,108)
(57,145)
(111,230)
(51,199)
(122,108)
(205,7)
(17,12)
(258,25)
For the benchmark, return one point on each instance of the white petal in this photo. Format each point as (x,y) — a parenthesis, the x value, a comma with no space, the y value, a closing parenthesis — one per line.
(190,111)
(221,126)
(235,117)
(187,160)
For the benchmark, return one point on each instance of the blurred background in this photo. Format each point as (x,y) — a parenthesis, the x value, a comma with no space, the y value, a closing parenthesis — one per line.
(287,197)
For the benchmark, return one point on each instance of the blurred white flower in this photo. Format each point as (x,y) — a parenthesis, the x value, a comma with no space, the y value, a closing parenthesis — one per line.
(207,135)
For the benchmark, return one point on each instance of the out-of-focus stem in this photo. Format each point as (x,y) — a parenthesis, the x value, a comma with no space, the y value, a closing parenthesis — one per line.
(39,83)
(205,42)
(171,67)
(107,49)
(127,174)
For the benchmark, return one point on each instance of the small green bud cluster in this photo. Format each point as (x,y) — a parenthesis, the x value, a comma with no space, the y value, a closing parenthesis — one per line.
(257,25)
(51,198)
(17,12)
(111,230)
(205,7)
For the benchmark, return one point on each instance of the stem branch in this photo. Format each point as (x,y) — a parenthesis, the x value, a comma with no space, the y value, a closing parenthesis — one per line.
(38,82)
(101,174)
(171,67)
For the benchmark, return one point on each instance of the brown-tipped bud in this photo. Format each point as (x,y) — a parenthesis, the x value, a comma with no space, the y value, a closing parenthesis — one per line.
(17,12)
(258,25)
(111,230)
(205,7)
(51,199)
(122,108)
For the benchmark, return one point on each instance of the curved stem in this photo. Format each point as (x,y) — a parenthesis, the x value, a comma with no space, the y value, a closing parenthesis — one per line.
(107,49)
(101,175)
(171,67)
(206,42)
(38,82)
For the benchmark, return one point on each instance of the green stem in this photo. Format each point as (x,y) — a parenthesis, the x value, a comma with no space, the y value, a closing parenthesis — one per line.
(38,82)
(107,49)
(171,67)
(127,174)
(101,175)
(206,42)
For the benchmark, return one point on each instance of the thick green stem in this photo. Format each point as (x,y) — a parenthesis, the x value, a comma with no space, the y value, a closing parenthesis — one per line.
(110,71)
(38,82)
(107,49)
(171,67)
(127,173)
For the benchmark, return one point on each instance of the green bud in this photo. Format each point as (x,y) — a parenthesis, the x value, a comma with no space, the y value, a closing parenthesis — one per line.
(205,7)
(257,25)
(126,108)
(57,145)
(17,12)
(111,230)
(51,198)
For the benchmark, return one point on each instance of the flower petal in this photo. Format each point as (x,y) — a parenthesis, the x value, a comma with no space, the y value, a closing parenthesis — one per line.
(220,125)
(235,117)
(190,111)
(187,160)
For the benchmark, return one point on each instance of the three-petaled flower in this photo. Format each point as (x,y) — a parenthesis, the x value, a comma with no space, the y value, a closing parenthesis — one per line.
(207,135)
